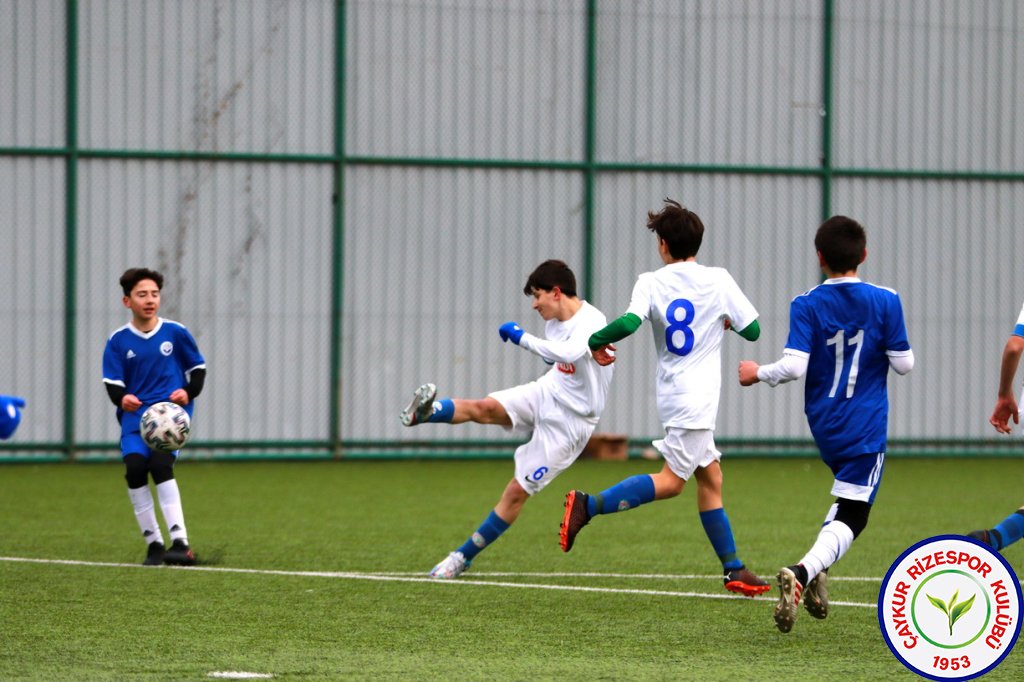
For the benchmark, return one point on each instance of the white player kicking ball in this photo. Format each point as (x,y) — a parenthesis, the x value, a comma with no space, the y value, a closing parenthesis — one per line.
(558,411)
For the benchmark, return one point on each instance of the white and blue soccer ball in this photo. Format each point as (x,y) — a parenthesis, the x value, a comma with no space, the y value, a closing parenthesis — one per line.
(165,426)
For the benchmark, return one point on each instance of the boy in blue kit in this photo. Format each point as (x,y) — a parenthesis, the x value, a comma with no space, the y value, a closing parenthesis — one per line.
(1010,529)
(147,361)
(844,334)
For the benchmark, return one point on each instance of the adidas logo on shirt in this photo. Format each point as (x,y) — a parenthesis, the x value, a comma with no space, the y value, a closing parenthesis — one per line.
(130,354)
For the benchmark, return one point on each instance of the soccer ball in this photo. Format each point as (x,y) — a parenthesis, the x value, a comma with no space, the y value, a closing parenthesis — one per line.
(165,426)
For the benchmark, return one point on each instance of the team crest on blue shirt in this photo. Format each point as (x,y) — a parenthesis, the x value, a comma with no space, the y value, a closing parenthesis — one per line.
(166,347)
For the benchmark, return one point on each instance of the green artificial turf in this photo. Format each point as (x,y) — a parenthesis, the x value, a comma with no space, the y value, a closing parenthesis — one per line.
(314,570)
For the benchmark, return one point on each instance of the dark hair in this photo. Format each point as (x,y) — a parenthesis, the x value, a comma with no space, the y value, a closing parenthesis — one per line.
(551,274)
(133,276)
(841,241)
(680,227)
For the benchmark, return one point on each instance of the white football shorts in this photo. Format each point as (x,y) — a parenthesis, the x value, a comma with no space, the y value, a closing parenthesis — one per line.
(557,434)
(685,450)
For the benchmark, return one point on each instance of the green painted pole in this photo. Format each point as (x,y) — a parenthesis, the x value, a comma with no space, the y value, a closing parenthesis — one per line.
(828,46)
(589,135)
(70,225)
(338,227)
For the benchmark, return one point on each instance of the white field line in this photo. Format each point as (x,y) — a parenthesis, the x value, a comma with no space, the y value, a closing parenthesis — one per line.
(421,578)
(644,576)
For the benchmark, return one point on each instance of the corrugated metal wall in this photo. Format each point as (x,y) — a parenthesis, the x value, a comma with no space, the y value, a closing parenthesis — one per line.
(347,197)
(715,83)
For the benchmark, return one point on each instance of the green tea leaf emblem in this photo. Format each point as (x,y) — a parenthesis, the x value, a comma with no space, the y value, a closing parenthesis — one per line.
(953,610)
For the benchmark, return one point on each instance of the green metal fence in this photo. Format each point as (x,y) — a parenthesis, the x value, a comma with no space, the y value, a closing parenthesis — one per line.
(67,443)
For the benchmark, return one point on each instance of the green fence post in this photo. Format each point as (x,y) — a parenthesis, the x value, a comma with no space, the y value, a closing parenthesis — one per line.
(338,228)
(70,225)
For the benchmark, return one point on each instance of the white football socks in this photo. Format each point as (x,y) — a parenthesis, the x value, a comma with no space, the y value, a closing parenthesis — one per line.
(833,540)
(145,514)
(170,505)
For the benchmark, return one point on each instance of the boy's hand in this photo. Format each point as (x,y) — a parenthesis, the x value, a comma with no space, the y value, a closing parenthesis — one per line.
(748,372)
(1005,410)
(605,355)
(179,397)
(130,403)
(510,331)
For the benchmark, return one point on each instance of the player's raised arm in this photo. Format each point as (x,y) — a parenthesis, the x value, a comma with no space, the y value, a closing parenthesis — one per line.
(551,350)
(601,342)
(789,367)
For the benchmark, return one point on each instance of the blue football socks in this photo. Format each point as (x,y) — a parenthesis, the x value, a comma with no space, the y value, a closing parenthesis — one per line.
(626,494)
(444,410)
(719,531)
(489,531)
(1009,529)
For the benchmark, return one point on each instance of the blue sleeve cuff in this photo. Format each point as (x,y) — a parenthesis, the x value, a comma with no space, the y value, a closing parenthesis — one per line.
(1018,330)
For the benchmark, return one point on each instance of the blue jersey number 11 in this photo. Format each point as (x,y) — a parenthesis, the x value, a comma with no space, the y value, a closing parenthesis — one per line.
(856,340)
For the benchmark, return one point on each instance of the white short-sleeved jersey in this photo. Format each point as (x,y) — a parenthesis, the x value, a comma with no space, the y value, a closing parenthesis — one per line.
(687,304)
(576,380)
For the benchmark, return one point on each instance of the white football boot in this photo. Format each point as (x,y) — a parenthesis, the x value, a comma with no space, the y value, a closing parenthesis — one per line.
(452,566)
(421,406)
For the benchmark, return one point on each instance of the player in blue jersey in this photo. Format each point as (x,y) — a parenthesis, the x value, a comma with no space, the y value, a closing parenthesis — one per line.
(844,334)
(1010,529)
(152,360)
(10,414)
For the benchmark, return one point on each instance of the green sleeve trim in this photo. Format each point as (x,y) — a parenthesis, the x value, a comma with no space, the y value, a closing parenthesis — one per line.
(751,331)
(615,331)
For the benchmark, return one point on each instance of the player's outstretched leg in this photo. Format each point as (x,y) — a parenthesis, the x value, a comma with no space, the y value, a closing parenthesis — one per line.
(789,599)
(580,507)
(422,404)
(573,519)
(1006,532)
(816,596)
(452,566)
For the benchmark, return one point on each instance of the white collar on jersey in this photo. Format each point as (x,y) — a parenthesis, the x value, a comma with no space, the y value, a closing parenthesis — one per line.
(150,333)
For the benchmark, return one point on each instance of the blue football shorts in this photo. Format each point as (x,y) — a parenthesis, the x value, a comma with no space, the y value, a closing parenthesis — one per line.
(858,477)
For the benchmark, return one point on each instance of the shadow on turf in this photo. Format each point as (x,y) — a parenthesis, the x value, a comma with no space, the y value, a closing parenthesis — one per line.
(212,556)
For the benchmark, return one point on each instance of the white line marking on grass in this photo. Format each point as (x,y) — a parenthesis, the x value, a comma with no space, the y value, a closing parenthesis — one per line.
(419,578)
(642,576)
(238,675)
